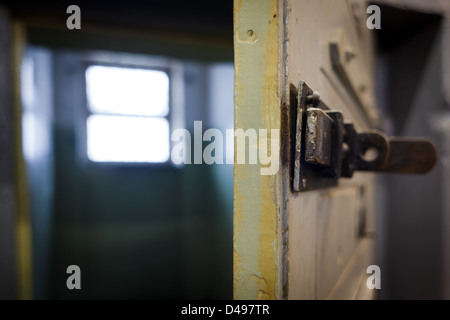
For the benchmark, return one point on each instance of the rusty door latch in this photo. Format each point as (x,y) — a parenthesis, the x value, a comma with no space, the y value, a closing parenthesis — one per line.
(327,149)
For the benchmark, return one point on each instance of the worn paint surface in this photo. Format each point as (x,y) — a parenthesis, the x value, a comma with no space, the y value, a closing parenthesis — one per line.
(257,106)
(323,260)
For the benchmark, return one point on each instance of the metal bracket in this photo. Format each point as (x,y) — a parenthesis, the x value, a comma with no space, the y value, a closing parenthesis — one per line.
(326,149)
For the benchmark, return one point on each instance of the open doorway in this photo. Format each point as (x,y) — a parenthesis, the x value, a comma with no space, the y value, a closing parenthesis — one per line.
(98,111)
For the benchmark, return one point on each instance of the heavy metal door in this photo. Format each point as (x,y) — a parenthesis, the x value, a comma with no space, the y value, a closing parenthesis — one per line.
(313,244)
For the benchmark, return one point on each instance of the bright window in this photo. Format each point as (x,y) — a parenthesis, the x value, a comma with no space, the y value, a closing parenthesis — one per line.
(128,115)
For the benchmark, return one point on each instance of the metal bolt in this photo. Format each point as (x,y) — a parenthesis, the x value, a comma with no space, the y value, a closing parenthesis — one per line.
(313,99)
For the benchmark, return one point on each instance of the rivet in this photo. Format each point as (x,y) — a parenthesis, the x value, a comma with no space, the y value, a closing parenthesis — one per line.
(304,182)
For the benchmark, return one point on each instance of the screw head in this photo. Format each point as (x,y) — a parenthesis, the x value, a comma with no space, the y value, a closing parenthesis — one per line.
(313,99)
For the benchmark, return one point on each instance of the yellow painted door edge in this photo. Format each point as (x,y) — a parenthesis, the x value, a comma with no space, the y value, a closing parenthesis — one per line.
(257,264)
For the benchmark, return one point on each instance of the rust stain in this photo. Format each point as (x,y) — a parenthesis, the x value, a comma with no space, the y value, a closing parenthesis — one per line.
(268,238)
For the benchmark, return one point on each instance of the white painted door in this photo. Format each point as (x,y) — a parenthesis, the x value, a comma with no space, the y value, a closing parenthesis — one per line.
(301,245)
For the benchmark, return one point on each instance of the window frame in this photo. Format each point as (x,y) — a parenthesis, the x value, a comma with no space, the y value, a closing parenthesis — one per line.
(135,61)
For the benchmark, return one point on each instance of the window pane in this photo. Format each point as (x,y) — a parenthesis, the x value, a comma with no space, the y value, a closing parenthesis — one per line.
(127,139)
(127,91)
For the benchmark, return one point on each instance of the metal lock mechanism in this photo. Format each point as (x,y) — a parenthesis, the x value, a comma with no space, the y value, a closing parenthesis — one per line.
(327,149)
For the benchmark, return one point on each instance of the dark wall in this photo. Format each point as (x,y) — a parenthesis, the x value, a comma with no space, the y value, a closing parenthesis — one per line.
(410,65)
(189,18)
(7,151)
(186,29)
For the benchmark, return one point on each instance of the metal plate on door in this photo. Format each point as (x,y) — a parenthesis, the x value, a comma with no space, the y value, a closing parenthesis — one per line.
(327,149)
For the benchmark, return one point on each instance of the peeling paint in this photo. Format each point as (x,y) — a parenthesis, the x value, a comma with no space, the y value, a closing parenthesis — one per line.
(257,105)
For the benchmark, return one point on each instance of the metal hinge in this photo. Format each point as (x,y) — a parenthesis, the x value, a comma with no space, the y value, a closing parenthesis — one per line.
(327,149)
